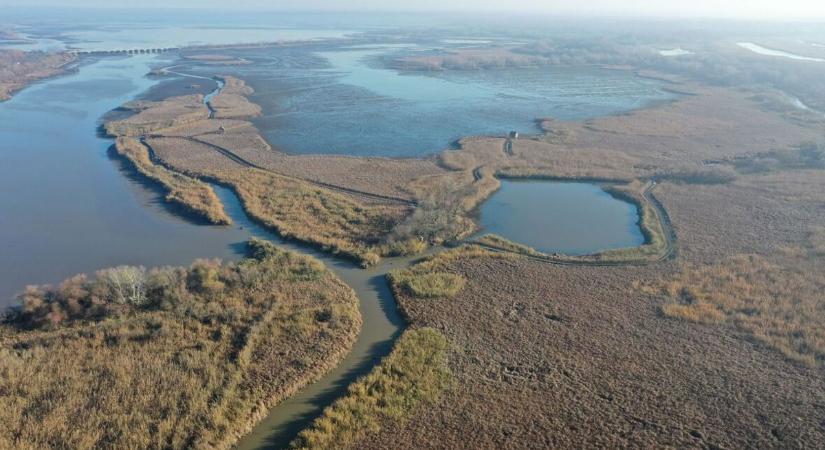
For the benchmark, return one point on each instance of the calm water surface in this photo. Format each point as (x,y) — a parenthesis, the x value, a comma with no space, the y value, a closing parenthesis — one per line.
(66,206)
(561,217)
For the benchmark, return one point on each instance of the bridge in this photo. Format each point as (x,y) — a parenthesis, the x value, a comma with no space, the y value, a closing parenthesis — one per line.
(131,51)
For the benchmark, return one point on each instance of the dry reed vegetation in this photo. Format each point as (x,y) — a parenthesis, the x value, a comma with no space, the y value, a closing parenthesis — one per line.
(172,357)
(414,374)
(432,278)
(497,242)
(232,101)
(777,301)
(152,116)
(226,151)
(545,356)
(19,68)
(190,194)
(311,214)
(445,205)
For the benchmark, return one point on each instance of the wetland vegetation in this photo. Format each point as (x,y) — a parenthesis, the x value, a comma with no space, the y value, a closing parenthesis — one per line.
(212,345)
(704,292)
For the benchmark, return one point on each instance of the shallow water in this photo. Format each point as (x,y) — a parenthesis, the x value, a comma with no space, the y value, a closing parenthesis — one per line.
(382,324)
(345,101)
(68,209)
(758,49)
(561,217)
(124,38)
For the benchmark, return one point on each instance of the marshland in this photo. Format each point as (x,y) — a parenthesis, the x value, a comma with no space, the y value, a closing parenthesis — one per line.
(461,236)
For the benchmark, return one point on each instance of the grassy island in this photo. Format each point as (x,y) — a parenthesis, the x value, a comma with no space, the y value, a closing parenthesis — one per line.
(170,357)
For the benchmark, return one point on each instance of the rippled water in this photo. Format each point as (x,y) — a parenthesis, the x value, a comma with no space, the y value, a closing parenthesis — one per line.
(345,101)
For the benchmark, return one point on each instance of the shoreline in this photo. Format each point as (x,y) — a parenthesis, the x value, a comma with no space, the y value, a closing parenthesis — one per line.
(68,67)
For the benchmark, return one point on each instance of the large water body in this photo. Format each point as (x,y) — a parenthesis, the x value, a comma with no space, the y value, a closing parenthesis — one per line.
(67,207)
(347,101)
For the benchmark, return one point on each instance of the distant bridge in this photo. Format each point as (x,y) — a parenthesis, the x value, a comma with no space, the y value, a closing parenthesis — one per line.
(131,51)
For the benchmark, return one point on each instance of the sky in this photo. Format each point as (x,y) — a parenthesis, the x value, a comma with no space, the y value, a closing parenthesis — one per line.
(747,9)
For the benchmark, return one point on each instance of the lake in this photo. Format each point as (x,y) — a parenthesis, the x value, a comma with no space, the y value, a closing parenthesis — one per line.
(69,207)
(561,217)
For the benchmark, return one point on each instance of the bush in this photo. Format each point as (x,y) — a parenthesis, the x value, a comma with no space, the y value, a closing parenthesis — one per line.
(435,284)
(125,284)
(192,370)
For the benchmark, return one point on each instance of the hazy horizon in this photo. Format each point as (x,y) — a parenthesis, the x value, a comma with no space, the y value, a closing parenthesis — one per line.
(738,9)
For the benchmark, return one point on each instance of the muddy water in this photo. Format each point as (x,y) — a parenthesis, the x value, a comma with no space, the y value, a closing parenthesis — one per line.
(561,217)
(382,324)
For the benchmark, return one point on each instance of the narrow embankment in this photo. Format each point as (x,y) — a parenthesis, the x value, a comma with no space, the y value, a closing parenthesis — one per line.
(245,162)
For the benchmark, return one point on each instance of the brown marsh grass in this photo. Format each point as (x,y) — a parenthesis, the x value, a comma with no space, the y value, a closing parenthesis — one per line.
(414,374)
(192,195)
(778,302)
(194,364)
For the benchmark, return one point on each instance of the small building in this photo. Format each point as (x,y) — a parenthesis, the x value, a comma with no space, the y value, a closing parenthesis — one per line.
(514,135)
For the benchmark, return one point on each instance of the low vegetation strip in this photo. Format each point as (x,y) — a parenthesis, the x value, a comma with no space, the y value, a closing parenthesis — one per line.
(152,116)
(194,356)
(776,302)
(298,210)
(188,193)
(415,373)
(183,142)
(432,277)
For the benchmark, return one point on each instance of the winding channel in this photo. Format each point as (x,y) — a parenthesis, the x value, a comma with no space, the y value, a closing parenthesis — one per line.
(382,324)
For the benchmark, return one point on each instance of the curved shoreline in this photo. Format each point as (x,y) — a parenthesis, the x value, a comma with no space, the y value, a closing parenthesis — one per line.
(382,324)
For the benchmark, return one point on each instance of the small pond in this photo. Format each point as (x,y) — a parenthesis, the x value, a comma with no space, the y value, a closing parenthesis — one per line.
(561,217)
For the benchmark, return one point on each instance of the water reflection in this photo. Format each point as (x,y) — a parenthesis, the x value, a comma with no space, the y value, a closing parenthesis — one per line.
(560,217)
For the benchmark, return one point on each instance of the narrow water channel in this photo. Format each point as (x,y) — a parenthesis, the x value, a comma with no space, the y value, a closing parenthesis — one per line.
(382,324)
